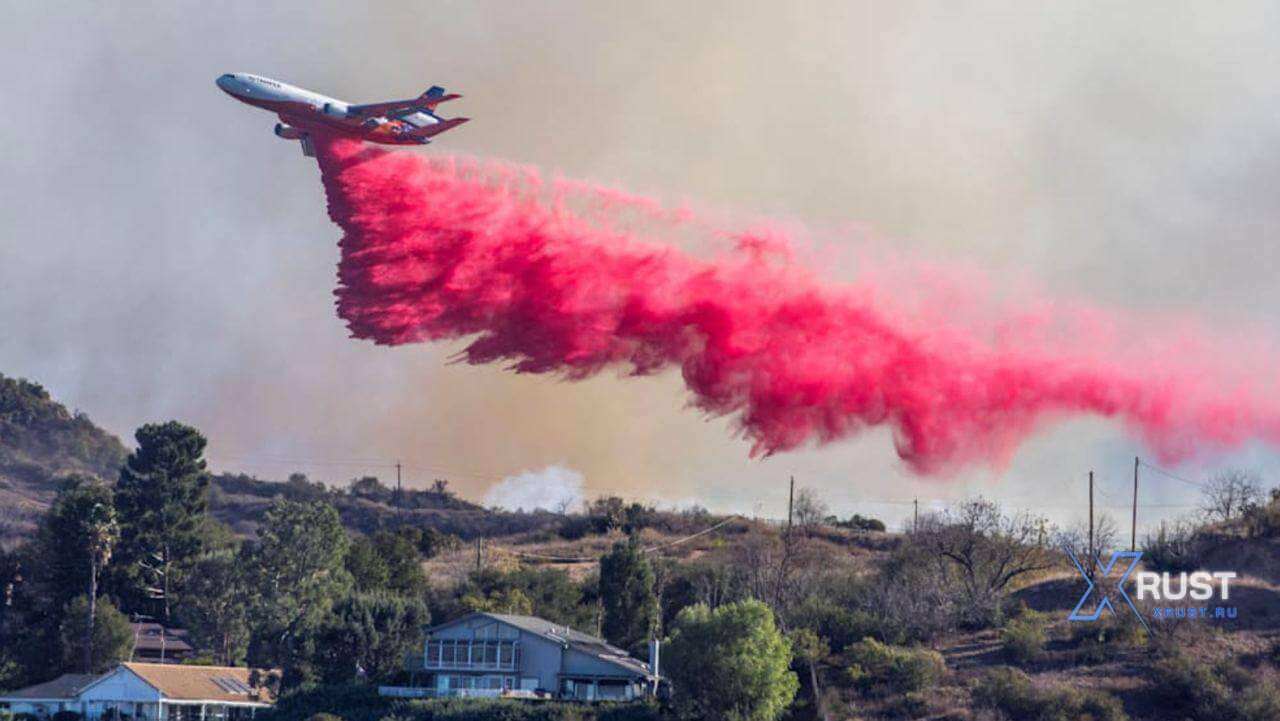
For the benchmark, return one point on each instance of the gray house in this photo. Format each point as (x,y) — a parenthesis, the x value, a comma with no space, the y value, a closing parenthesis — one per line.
(494,654)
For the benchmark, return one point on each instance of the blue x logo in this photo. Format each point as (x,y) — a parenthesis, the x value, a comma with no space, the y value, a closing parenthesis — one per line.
(1116,556)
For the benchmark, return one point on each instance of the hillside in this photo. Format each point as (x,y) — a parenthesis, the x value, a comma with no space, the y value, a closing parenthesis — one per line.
(40,442)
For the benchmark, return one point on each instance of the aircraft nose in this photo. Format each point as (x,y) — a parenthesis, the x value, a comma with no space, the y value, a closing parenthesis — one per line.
(226,81)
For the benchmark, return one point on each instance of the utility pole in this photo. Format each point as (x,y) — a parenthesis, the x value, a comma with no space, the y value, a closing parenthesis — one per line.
(1092,555)
(791,497)
(479,552)
(1133,525)
(915,515)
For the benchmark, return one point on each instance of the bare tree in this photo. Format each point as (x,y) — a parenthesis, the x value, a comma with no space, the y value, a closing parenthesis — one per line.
(1230,494)
(808,509)
(988,549)
(1076,539)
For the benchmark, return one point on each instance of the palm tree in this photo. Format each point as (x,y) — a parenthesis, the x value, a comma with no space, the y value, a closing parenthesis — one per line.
(101,531)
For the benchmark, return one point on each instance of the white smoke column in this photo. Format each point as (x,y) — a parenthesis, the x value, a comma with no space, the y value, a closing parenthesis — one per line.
(554,488)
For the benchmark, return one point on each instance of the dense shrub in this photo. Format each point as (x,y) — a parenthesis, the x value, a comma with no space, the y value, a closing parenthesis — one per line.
(1174,548)
(1219,692)
(1012,692)
(1101,641)
(66,716)
(1025,636)
(879,669)
(324,717)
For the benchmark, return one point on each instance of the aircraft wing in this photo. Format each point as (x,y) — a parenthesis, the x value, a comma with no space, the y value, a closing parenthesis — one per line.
(426,101)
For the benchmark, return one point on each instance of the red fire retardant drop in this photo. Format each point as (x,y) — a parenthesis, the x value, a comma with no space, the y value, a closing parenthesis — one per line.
(545,276)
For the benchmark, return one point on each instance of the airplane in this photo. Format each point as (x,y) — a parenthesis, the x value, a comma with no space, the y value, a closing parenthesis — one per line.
(302,112)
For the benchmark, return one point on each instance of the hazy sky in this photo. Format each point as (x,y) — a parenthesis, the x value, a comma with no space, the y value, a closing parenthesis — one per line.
(164,255)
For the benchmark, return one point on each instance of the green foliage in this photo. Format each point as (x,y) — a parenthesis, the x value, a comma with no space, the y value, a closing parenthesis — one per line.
(1102,641)
(43,440)
(66,716)
(369,633)
(161,499)
(1012,692)
(1024,637)
(878,669)
(835,621)
(78,528)
(353,702)
(1219,692)
(214,608)
(545,592)
(861,523)
(627,595)
(112,635)
(369,570)
(730,664)
(295,571)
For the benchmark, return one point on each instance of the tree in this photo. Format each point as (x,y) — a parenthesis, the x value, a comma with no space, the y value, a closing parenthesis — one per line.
(367,635)
(214,608)
(368,569)
(161,502)
(1106,533)
(730,664)
(1230,494)
(75,540)
(628,597)
(809,510)
(110,634)
(811,648)
(295,572)
(988,549)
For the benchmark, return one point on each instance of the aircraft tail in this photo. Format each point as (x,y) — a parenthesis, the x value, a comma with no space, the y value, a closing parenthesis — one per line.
(434,96)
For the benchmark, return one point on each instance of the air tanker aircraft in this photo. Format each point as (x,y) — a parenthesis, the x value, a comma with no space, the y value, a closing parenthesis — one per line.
(395,122)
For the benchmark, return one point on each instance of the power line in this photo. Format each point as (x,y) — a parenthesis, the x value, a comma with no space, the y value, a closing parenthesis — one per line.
(649,549)
(1173,475)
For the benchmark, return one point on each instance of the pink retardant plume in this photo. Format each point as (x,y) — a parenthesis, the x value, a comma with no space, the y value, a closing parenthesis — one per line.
(552,277)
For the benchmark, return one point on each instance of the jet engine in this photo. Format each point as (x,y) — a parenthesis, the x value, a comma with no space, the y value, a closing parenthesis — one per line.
(335,109)
(288,132)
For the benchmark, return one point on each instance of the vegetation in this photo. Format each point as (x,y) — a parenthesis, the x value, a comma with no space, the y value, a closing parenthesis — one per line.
(334,584)
(627,596)
(1024,637)
(1012,692)
(1221,692)
(108,631)
(730,663)
(878,669)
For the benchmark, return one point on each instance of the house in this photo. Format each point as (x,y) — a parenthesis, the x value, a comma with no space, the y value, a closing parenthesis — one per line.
(494,654)
(149,692)
(46,699)
(154,643)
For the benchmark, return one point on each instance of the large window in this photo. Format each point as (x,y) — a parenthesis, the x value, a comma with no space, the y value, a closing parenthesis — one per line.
(472,654)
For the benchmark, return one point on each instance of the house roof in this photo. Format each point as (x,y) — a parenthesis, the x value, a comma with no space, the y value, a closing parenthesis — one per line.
(65,686)
(564,635)
(152,636)
(201,683)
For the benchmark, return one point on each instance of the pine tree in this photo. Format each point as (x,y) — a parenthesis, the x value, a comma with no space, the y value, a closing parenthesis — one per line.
(161,501)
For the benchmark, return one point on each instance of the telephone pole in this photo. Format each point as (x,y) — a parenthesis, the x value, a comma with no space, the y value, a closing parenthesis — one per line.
(791,498)
(1133,525)
(915,515)
(1092,555)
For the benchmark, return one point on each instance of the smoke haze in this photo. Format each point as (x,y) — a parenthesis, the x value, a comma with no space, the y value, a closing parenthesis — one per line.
(554,488)
(164,255)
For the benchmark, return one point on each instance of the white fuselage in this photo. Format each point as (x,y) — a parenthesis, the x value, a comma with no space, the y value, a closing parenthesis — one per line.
(305,111)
